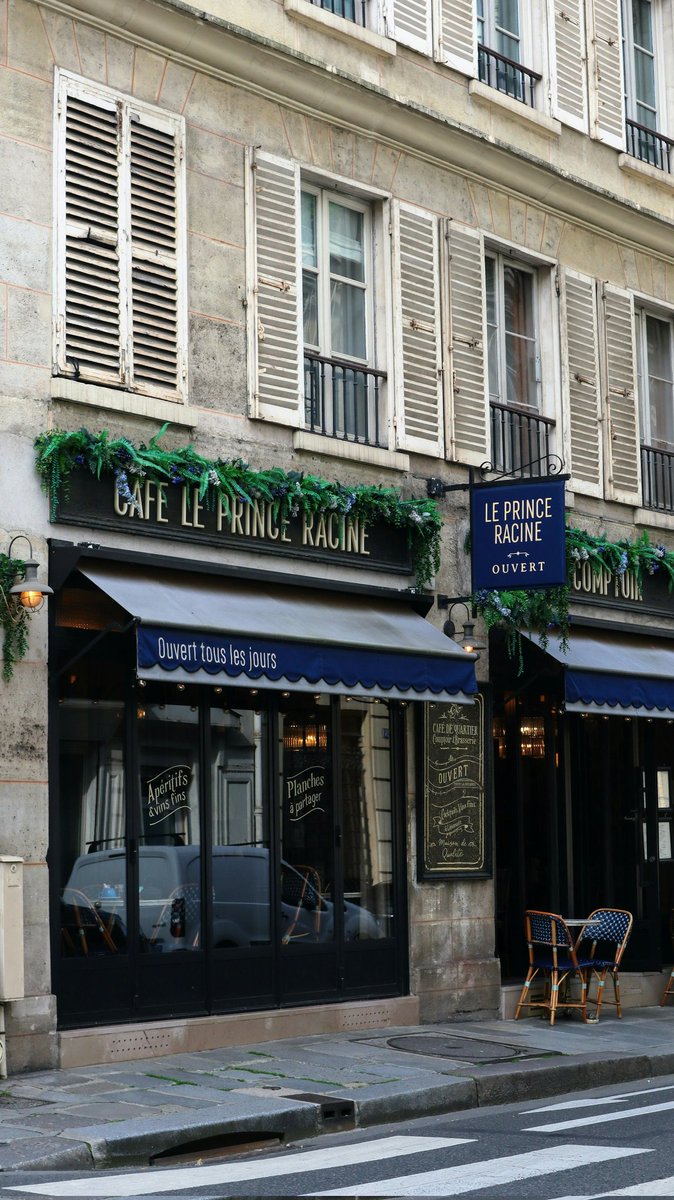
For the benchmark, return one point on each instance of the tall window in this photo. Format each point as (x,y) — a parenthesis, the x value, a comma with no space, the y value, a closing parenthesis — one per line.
(520,432)
(640,38)
(341,393)
(499,50)
(120,220)
(655,381)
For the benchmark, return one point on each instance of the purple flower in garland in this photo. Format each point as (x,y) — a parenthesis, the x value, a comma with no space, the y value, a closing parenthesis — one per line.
(80,460)
(123,489)
(622,565)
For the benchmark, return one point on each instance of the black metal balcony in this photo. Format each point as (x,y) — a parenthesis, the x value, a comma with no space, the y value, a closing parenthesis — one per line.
(649,146)
(507,76)
(351,10)
(342,400)
(520,441)
(657,478)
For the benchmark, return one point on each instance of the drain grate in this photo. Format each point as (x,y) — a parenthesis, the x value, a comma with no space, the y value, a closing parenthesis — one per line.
(459,1048)
(335,1112)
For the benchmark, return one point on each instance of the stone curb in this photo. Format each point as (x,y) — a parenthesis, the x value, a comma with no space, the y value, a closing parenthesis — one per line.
(135,1142)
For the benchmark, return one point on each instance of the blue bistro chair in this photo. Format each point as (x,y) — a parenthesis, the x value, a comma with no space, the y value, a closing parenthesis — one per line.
(603,944)
(553,958)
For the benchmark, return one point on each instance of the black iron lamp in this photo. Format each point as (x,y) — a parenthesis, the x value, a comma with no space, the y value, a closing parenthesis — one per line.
(467,638)
(28,591)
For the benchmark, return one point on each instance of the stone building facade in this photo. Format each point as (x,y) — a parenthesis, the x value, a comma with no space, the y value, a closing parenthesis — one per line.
(226,217)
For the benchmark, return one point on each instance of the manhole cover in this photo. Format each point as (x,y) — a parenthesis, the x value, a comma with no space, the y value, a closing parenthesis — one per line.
(463,1049)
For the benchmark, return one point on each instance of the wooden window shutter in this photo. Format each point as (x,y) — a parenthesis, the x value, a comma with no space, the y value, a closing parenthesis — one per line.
(581,385)
(89,321)
(155,156)
(418,376)
(569,90)
(457,40)
(606,75)
(275,325)
(469,416)
(620,399)
(410,23)
(121,291)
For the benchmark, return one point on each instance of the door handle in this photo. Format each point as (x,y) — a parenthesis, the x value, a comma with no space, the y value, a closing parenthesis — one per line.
(133,850)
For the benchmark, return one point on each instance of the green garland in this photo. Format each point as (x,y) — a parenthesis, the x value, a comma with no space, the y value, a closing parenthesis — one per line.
(59,453)
(13,618)
(548,609)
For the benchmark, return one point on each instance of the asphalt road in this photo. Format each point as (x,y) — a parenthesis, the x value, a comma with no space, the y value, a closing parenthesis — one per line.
(610,1142)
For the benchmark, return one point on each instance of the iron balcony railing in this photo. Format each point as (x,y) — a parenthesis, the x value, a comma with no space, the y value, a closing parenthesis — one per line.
(657,478)
(351,10)
(342,400)
(649,146)
(520,441)
(506,75)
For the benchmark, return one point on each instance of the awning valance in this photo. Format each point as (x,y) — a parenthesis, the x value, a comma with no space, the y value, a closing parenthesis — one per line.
(195,628)
(616,674)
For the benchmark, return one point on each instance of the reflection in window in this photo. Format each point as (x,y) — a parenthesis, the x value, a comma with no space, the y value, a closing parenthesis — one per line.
(241,866)
(368,828)
(93,860)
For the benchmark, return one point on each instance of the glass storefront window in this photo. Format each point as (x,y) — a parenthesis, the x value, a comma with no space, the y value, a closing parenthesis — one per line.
(169,843)
(365,760)
(93,830)
(240,829)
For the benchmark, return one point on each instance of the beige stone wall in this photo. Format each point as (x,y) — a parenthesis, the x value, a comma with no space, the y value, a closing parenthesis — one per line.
(452,965)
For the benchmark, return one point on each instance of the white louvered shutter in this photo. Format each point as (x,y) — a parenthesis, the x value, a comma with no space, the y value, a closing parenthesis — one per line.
(457,34)
(410,23)
(275,330)
(469,416)
(580,355)
(155,151)
(606,75)
(121,295)
(418,377)
(570,81)
(90,337)
(620,398)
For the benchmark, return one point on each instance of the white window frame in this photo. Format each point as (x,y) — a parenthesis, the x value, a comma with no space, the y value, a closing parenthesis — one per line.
(546,324)
(629,68)
(642,311)
(68,84)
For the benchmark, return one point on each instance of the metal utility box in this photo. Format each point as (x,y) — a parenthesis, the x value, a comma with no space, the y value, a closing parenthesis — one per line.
(11,928)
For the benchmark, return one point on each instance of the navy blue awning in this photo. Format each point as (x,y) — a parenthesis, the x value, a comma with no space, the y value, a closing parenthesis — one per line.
(616,674)
(212,630)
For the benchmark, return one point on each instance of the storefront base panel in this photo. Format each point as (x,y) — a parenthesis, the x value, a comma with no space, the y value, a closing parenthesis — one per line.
(30,1035)
(87,1047)
(638,989)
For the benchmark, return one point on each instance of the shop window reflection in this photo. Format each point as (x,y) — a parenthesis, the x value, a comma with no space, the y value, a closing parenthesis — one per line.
(365,759)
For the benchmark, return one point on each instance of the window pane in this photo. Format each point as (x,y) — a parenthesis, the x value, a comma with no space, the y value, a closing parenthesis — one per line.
(310,307)
(307,836)
(93,828)
(241,866)
(517,289)
(309,249)
(368,825)
(169,852)
(660,381)
(506,16)
(644,73)
(642,24)
(347,256)
(521,370)
(347,309)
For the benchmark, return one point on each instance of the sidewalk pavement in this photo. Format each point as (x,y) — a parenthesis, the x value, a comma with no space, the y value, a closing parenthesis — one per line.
(130,1112)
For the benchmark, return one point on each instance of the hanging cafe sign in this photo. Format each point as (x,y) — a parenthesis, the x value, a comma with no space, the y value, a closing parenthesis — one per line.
(107,483)
(518,534)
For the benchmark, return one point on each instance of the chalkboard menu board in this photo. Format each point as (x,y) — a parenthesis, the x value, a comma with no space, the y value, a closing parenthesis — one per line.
(454,839)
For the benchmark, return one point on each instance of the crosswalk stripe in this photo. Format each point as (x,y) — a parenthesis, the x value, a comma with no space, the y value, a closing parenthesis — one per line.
(653,1187)
(595,1101)
(178,1178)
(488,1173)
(624,1115)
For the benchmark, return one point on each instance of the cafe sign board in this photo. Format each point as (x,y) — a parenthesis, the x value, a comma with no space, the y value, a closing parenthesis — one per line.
(454,831)
(518,535)
(177,513)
